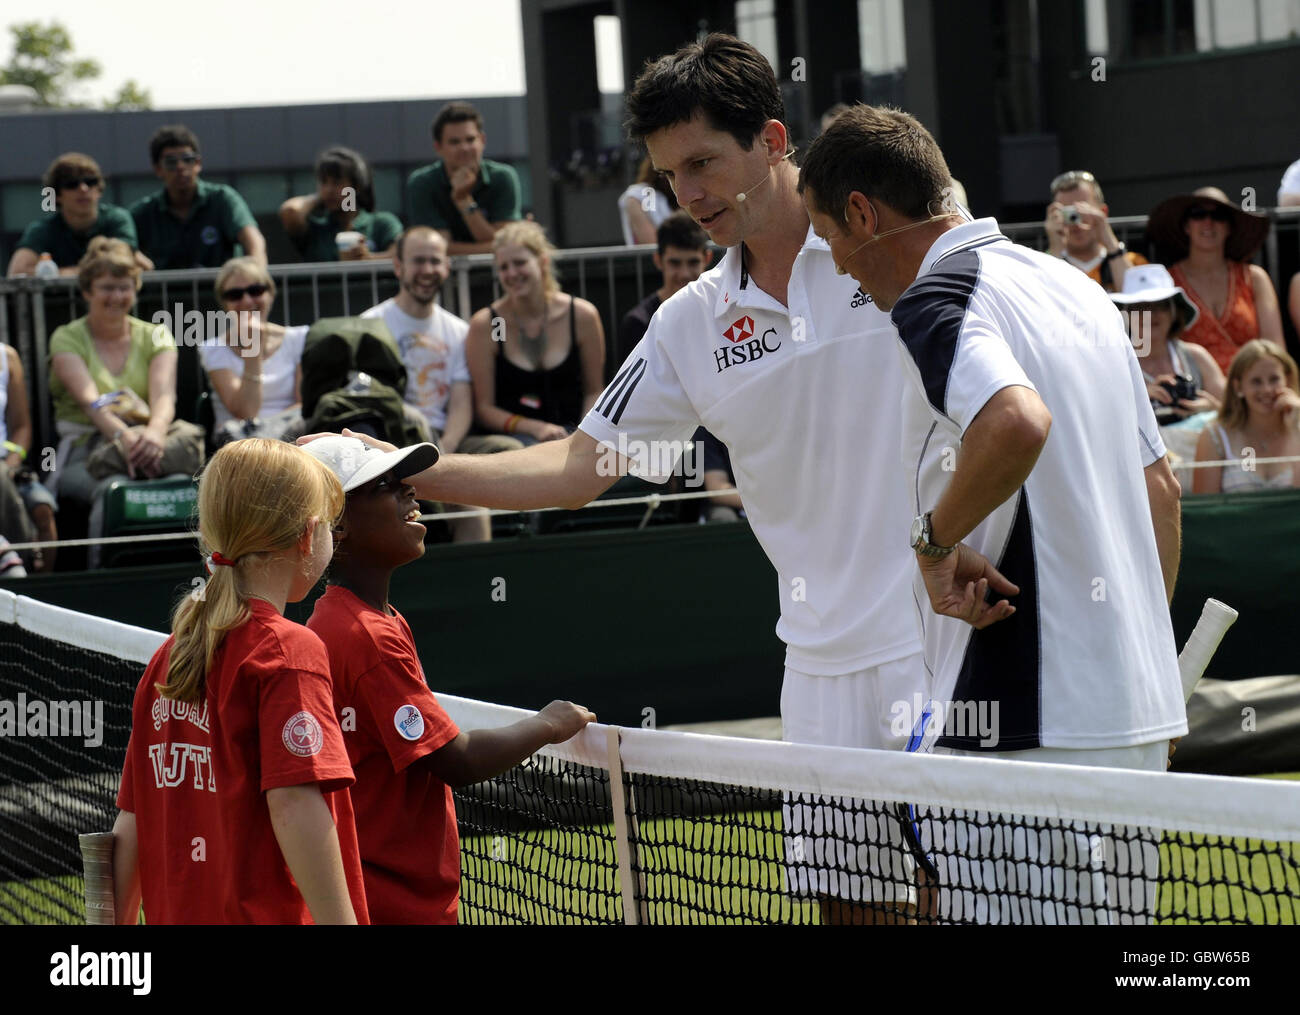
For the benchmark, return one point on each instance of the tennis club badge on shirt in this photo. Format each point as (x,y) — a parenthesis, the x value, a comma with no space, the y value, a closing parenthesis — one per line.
(302,735)
(409,721)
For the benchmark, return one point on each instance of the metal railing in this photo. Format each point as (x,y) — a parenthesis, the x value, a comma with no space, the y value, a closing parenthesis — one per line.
(614,279)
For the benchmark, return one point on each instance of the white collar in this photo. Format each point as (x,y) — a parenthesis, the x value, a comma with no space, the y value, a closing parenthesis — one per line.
(730,292)
(968,234)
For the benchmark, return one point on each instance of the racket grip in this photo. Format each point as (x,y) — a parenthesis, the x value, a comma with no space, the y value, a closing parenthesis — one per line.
(97,867)
(1215,619)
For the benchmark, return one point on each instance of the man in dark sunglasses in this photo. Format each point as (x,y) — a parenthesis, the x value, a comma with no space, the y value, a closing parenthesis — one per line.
(71,194)
(191,223)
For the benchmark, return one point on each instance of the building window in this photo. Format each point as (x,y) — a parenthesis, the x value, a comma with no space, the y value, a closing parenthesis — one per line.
(1161,28)
(1153,29)
(882,44)
(756,24)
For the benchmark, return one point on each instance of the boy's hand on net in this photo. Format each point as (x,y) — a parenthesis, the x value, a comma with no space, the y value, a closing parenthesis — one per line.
(565,719)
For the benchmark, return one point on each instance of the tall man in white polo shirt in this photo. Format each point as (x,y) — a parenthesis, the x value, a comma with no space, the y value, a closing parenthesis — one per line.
(794,370)
(432,343)
(1036,466)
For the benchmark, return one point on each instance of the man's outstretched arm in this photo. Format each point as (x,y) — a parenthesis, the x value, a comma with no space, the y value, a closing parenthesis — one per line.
(566,473)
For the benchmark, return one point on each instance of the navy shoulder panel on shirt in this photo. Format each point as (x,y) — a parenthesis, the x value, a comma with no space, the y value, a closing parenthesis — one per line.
(929,319)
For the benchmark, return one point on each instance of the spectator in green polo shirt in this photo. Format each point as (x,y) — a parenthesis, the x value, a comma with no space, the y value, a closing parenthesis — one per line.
(191,223)
(464,196)
(344,202)
(75,184)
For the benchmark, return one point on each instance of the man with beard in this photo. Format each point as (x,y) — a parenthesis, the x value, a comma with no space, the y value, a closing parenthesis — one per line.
(432,341)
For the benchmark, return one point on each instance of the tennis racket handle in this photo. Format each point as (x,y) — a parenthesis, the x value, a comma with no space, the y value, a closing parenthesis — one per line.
(1216,618)
(97,865)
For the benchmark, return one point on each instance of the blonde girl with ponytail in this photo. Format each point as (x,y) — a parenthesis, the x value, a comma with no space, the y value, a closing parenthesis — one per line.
(234,803)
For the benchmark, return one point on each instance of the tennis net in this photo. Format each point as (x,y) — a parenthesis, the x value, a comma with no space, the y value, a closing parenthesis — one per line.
(643,826)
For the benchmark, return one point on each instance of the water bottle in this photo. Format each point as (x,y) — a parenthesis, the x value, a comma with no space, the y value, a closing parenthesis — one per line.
(46,268)
(359,384)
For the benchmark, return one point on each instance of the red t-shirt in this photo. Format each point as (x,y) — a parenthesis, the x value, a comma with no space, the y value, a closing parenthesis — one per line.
(406,818)
(168,784)
(270,708)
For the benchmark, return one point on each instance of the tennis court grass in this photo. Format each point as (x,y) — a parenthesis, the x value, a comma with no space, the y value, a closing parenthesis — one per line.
(42,900)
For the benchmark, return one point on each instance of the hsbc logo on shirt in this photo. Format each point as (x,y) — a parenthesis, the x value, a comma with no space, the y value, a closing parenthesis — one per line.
(746,347)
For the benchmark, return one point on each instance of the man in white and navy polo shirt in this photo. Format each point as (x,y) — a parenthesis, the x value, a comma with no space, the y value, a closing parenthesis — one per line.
(1035,465)
(794,370)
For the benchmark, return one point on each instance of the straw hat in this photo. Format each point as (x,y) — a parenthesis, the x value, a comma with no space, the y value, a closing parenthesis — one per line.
(1165,225)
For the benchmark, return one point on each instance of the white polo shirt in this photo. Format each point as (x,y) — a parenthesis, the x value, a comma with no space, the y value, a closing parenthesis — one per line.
(1088,658)
(806,399)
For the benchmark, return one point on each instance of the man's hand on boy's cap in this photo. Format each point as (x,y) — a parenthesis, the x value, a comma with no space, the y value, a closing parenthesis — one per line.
(374,442)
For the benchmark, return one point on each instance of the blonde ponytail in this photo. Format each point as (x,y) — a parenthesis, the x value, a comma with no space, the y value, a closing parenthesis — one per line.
(256,497)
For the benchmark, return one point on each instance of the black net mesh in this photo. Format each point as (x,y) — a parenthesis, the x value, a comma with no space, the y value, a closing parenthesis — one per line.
(707,853)
(70,711)
(537,846)
(539,843)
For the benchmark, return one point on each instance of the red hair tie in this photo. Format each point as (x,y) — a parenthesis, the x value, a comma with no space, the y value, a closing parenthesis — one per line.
(218,560)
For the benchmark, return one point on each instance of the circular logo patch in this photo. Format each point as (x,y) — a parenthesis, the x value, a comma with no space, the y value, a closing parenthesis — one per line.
(209,235)
(302,735)
(409,722)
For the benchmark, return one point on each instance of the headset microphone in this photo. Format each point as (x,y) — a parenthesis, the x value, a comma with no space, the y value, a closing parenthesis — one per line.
(740,198)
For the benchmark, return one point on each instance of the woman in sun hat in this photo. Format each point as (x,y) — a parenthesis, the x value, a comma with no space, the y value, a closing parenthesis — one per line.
(1182,379)
(1208,242)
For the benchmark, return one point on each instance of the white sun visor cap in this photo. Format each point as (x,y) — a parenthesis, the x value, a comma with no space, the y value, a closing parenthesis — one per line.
(356,463)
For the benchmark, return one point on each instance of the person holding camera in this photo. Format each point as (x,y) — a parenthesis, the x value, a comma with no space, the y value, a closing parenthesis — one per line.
(1182,379)
(1078,231)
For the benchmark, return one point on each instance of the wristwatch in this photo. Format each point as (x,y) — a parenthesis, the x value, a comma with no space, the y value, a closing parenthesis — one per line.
(1119,251)
(921,538)
(471,208)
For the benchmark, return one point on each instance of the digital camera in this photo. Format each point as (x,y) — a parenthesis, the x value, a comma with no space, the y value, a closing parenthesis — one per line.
(1182,388)
(1070,215)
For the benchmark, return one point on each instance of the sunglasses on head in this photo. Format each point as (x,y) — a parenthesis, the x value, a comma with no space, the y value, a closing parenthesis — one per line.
(1216,213)
(1072,179)
(172,161)
(235,295)
(90,181)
